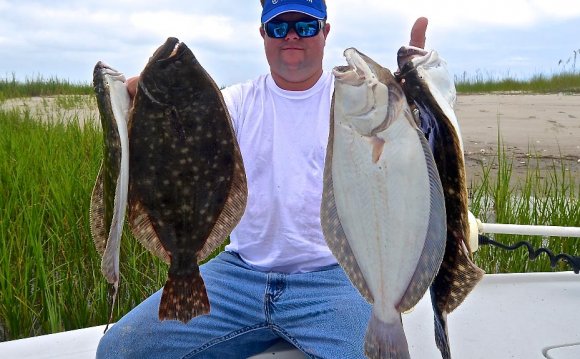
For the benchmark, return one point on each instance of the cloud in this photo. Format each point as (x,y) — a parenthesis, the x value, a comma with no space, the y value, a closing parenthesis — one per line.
(193,26)
(461,14)
(66,38)
(557,9)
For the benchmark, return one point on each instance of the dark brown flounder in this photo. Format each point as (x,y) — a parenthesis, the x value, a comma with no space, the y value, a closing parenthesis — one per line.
(428,87)
(109,197)
(187,181)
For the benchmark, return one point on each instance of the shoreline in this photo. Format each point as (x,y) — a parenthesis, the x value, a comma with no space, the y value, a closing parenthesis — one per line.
(541,129)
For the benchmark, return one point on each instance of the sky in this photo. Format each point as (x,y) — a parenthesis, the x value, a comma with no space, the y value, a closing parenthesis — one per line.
(486,39)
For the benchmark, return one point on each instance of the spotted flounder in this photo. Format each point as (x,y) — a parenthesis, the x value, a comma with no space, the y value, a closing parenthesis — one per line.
(109,197)
(383,211)
(187,181)
(430,89)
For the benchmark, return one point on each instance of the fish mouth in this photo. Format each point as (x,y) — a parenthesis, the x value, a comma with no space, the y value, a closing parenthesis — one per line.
(170,51)
(364,97)
(105,69)
(357,72)
(408,54)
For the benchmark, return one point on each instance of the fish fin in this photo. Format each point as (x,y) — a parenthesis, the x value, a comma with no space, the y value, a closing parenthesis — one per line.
(466,276)
(97,214)
(184,298)
(113,300)
(110,261)
(458,275)
(434,247)
(440,325)
(143,230)
(378,145)
(233,210)
(332,228)
(386,340)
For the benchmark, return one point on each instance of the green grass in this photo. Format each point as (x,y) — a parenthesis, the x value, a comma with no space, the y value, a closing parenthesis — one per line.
(542,197)
(40,86)
(567,82)
(50,276)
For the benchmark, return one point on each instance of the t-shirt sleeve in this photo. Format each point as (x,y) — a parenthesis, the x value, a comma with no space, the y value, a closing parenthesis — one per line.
(233,98)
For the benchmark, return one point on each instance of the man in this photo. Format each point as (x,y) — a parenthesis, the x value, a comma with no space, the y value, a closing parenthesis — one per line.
(277,278)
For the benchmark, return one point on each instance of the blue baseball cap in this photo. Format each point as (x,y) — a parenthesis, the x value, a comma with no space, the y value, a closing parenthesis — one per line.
(273,8)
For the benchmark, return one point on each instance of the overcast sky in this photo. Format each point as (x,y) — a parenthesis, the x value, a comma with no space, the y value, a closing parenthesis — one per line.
(492,38)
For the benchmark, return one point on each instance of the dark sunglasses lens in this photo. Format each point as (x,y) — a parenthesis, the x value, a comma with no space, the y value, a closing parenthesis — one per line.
(307,28)
(277,29)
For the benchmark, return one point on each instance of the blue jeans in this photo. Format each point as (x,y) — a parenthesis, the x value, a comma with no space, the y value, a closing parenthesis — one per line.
(320,313)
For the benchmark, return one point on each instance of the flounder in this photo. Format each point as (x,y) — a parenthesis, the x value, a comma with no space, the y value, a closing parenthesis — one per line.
(383,210)
(429,88)
(109,197)
(187,185)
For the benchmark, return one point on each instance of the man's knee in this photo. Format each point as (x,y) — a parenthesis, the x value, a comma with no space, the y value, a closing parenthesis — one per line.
(112,345)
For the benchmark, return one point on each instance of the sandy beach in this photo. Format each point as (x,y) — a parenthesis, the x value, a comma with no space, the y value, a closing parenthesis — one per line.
(543,128)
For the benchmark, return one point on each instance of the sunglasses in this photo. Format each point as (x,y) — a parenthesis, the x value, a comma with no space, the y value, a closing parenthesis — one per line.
(303,28)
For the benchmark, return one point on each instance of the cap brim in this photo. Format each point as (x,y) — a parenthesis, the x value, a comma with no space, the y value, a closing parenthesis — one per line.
(293,8)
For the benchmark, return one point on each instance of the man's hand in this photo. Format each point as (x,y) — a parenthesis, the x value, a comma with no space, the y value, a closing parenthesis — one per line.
(418,32)
(131,84)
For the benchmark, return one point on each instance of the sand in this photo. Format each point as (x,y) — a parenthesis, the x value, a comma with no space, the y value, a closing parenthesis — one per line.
(542,128)
(76,108)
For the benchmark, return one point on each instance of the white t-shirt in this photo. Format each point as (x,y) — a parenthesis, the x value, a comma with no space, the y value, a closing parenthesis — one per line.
(282,136)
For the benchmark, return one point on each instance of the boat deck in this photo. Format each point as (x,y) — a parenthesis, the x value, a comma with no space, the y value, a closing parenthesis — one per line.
(533,315)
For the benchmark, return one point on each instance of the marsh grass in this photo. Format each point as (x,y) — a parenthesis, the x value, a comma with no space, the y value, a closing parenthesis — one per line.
(567,82)
(40,86)
(70,102)
(49,268)
(542,197)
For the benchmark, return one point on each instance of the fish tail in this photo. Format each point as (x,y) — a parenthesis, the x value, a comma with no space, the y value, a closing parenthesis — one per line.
(385,340)
(183,298)
(441,336)
(114,297)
